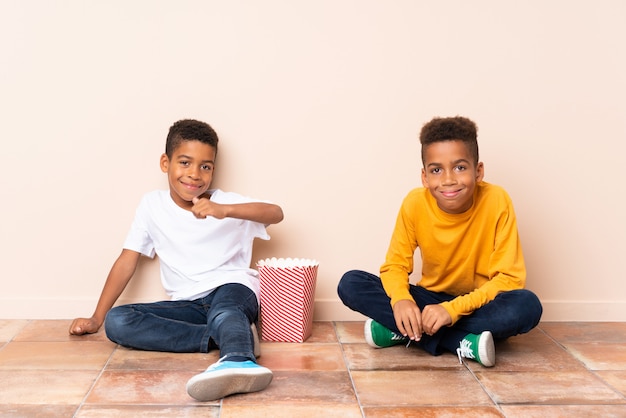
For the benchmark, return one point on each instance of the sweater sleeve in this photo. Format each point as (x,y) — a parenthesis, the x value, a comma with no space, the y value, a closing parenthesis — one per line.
(394,273)
(506,270)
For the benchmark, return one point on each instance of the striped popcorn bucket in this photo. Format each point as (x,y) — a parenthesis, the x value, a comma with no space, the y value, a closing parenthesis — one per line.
(287,293)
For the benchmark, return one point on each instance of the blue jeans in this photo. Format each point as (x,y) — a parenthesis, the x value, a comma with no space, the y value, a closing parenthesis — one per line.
(220,319)
(510,313)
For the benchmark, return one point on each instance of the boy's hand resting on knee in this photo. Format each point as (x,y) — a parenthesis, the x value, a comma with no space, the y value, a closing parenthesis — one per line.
(81,326)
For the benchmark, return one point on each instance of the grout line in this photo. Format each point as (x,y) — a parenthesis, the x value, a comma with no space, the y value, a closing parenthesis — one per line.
(563,347)
(473,374)
(610,386)
(16,333)
(345,362)
(106,363)
(582,363)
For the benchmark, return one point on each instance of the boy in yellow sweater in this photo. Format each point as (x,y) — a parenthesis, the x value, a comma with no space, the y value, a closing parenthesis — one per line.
(473,274)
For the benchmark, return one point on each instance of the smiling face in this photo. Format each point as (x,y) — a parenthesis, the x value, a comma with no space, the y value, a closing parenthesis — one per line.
(450,175)
(189,171)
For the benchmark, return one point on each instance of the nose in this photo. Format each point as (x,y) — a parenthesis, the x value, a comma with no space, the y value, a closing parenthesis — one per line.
(193,172)
(448,178)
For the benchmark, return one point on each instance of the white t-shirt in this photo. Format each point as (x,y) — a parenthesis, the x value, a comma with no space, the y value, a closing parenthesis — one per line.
(196,255)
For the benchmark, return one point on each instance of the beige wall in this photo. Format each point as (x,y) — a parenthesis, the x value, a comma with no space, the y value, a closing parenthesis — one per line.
(318,105)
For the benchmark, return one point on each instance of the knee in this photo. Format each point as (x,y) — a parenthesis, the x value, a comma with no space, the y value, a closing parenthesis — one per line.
(229,315)
(347,284)
(115,321)
(534,306)
(528,308)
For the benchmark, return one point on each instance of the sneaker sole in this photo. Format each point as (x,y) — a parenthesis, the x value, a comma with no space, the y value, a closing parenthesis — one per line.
(217,385)
(487,350)
(367,331)
(369,338)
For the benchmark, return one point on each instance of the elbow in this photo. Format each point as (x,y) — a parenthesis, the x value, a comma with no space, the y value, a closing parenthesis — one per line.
(279,216)
(276,215)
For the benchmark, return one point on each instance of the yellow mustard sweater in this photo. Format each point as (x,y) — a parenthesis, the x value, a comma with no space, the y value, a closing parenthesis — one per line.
(473,256)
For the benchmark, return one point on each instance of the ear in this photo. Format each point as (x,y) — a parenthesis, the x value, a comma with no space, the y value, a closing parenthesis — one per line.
(480,172)
(424,179)
(165,163)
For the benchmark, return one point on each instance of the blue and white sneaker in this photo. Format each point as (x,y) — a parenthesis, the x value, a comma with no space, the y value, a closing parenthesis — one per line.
(227,378)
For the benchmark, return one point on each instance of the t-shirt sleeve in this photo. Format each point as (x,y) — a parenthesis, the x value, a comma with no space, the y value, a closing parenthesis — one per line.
(138,239)
(394,273)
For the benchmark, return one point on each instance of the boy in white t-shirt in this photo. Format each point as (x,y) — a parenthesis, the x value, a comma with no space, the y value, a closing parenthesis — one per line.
(204,242)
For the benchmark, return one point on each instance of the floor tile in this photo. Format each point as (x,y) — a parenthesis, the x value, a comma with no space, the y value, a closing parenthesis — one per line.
(350,331)
(144,387)
(572,332)
(323,332)
(46,387)
(56,330)
(599,356)
(399,357)
(418,388)
(534,351)
(615,379)
(79,355)
(306,357)
(329,410)
(560,411)
(126,359)
(432,412)
(38,411)
(300,388)
(548,387)
(148,411)
(10,327)
(573,369)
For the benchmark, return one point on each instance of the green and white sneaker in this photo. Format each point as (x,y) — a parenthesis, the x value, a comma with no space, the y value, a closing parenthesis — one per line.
(478,347)
(379,336)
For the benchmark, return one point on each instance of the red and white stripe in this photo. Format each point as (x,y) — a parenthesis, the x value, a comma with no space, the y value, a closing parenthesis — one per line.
(287,295)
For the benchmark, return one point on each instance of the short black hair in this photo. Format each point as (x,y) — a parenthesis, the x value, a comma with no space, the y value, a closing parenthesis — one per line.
(189,130)
(456,128)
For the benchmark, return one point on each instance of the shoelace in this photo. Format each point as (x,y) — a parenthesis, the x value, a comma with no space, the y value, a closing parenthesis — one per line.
(216,364)
(465,350)
(396,337)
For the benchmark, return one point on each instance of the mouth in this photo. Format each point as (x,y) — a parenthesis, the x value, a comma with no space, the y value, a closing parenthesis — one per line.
(191,187)
(450,194)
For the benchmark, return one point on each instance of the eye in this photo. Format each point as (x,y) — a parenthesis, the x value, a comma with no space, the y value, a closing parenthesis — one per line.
(184,163)
(461,168)
(207,167)
(436,170)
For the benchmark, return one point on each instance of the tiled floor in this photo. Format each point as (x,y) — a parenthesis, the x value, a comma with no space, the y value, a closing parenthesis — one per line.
(557,370)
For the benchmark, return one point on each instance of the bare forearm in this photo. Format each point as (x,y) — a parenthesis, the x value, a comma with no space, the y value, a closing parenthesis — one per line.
(119,276)
(121,272)
(261,212)
(108,297)
(265,213)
